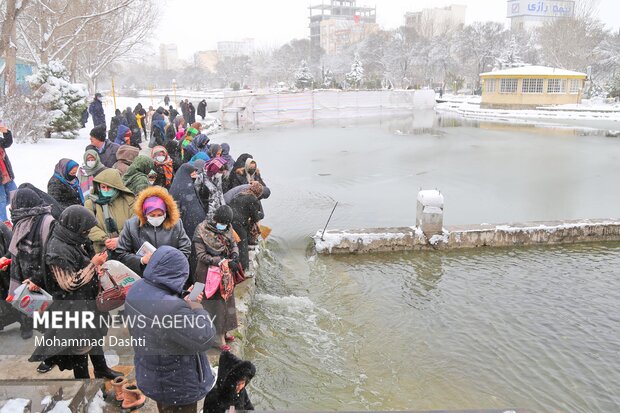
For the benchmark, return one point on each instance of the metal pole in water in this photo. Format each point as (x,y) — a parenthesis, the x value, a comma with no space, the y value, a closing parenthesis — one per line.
(329,219)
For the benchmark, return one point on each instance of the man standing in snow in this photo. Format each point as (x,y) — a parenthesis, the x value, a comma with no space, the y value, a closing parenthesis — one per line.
(106,149)
(96,111)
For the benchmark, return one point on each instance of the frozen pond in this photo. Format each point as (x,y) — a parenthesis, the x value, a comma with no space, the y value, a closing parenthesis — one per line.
(533,328)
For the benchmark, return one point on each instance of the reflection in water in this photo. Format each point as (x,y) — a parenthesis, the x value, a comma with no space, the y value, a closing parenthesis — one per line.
(535,327)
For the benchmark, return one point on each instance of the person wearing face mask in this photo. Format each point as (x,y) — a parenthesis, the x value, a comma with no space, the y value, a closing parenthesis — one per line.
(106,149)
(156,221)
(64,185)
(136,177)
(214,242)
(164,167)
(112,204)
(209,185)
(91,167)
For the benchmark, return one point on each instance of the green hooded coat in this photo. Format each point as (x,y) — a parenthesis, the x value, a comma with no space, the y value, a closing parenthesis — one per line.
(136,177)
(120,207)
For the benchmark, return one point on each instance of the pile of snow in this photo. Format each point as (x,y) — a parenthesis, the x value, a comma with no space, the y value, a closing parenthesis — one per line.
(15,406)
(331,240)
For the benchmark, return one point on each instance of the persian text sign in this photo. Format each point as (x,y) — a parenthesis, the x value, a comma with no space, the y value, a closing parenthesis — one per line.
(543,8)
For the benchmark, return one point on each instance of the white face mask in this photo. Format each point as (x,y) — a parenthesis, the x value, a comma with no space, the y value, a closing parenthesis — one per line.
(91,164)
(160,159)
(156,221)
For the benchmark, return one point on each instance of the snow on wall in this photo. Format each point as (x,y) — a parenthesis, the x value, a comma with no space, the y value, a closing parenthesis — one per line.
(266,109)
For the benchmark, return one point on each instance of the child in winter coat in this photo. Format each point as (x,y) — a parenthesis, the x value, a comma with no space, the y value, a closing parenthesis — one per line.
(233,376)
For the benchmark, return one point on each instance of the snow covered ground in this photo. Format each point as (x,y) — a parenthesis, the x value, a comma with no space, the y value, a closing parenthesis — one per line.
(469,107)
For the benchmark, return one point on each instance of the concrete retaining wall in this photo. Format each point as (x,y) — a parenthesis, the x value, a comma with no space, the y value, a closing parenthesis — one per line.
(467,236)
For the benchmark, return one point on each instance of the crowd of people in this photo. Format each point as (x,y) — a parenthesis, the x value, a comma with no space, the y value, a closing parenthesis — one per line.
(194,203)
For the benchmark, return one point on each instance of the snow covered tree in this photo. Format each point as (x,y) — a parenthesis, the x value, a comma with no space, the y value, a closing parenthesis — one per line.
(62,100)
(328,79)
(511,56)
(356,75)
(303,76)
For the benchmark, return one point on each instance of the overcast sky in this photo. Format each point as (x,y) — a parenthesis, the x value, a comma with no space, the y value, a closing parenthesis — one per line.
(198,24)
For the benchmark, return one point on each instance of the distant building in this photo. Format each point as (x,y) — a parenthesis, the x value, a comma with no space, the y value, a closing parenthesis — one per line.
(340,23)
(528,87)
(168,56)
(531,14)
(435,21)
(337,35)
(227,49)
(206,59)
(23,68)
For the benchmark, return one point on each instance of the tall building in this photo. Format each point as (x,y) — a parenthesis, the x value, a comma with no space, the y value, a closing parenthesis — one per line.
(168,56)
(340,22)
(435,21)
(243,47)
(529,14)
(206,59)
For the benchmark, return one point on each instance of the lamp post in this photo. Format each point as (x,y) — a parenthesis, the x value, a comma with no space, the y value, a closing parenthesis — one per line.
(174,89)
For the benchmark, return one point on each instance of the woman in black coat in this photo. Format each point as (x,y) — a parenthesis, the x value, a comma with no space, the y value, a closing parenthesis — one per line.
(117,120)
(202,109)
(233,376)
(247,211)
(71,278)
(191,113)
(64,185)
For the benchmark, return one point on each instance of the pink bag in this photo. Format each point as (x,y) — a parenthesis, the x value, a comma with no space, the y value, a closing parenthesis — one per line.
(213,282)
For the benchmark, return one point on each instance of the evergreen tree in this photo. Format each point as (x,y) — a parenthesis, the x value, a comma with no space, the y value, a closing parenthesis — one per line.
(62,100)
(356,75)
(303,76)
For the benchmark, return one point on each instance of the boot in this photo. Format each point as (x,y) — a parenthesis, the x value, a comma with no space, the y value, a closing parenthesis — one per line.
(133,398)
(101,369)
(117,385)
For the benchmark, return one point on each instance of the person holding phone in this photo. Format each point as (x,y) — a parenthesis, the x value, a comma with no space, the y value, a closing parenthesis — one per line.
(6,172)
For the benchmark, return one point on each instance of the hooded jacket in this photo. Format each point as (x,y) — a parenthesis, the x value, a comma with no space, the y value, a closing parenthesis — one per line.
(230,371)
(172,367)
(120,208)
(120,136)
(117,120)
(136,177)
(124,158)
(235,178)
(183,191)
(96,111)
(137,230)
(107,153)
(202,108)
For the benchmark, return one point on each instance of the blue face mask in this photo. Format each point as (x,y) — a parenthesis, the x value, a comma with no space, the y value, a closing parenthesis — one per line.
(109,193)
(221,227)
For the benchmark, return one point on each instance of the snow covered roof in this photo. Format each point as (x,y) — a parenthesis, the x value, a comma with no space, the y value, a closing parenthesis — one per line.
(533,71)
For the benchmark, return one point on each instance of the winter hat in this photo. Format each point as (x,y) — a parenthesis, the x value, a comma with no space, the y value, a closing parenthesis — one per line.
(152,203)
(25,198)
(98,132)
(223,215)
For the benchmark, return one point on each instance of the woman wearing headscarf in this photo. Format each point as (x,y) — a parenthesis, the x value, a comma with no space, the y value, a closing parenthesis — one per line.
(92,166)
(245,175)
(164,166)
(112,204)
(32,224)
(136,177)
(184,193)
(174,152)
(230,162)
(209,185)
(156,221)
(247,213)
(214,243)
(187,149)
(64,185)
(214,151)
(72,281)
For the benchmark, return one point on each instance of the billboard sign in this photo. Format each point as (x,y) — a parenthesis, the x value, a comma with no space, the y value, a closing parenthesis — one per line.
(546,8)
